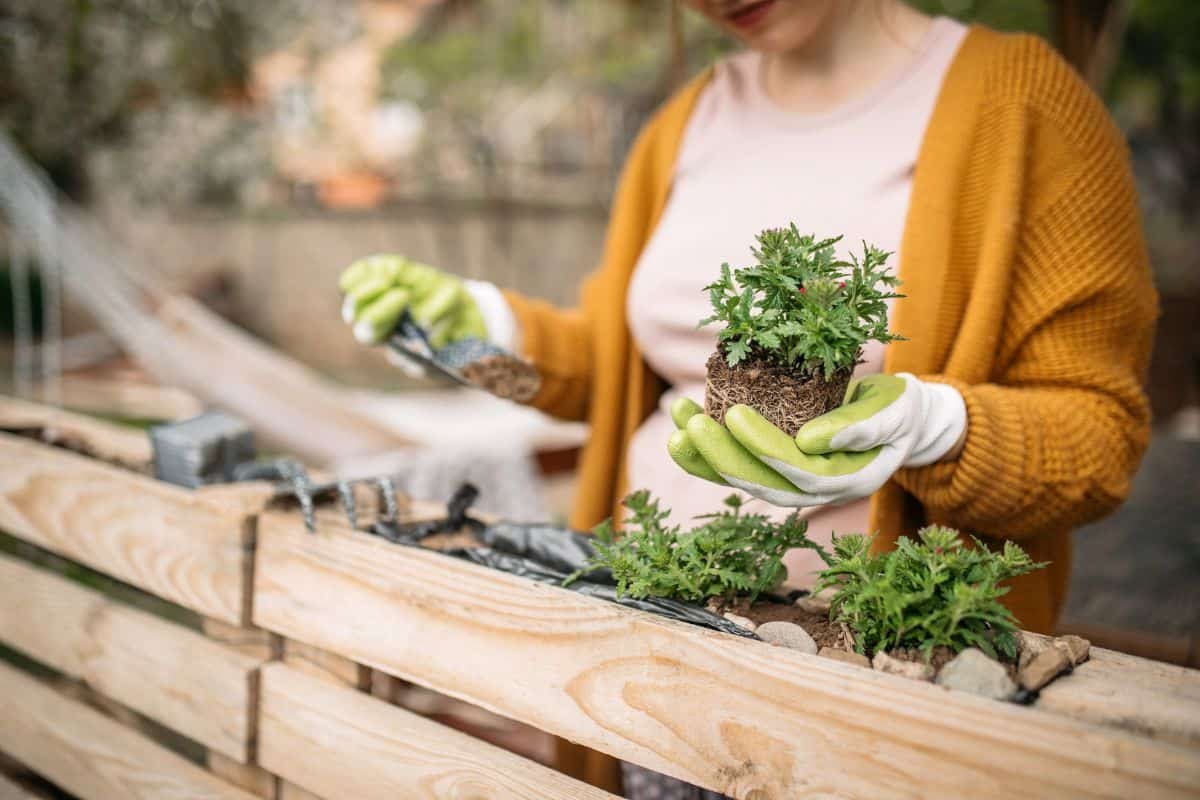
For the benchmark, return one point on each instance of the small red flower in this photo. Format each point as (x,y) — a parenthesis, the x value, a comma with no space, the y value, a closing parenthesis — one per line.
(803,290)
(842,285)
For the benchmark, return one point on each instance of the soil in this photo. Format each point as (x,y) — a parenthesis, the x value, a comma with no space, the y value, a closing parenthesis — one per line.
(823,632)
(504,376)
(941,656)
(454,540)
(786,396)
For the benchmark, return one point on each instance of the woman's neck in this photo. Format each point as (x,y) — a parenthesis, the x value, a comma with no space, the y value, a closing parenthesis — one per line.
(859,44)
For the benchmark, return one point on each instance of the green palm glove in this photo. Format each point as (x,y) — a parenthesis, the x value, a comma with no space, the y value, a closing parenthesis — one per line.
(381,288)
(885,423)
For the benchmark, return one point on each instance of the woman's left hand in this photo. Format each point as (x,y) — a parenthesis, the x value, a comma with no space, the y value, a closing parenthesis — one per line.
(886,422)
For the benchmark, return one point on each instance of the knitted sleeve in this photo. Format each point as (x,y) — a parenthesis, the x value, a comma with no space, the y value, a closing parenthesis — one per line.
(1054,439)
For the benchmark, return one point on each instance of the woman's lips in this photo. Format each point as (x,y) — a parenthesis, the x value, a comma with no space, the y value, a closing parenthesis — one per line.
(751,15)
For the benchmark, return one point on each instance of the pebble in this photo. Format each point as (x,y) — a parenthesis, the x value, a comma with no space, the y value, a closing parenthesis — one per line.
(1047,666)
(787,634)
(1077,647)
(1030,646)
(972,671)
(915,670)
(738,619)
(857,659)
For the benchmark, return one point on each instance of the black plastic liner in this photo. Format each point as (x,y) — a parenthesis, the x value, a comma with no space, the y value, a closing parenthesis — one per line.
(544,553)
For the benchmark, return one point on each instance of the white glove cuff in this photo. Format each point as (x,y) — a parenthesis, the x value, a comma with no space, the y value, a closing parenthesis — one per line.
(497,315)
(943,420)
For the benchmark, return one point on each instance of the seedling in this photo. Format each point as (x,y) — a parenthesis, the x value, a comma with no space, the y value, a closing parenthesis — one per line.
(731,553)
(932,592)
(794,326)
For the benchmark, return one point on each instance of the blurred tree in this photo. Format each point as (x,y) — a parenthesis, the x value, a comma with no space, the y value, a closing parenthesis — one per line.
(73,71)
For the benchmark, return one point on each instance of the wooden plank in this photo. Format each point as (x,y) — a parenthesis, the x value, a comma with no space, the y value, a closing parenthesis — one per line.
(158,537)
(173,675)
(129,399)
(337,742)
(250,777)
(262,646)
(109,441)
(325,665)
(91,756)
(290,791)
(1149,698)
(735,716)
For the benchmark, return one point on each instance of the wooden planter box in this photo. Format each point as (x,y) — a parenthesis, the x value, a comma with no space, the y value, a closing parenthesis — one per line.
(278,700)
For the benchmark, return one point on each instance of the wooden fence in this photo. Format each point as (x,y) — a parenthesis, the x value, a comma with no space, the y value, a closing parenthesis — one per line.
(274,682)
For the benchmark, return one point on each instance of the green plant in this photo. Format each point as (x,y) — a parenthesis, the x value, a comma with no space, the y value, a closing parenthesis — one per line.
(730,554)
(800,305)
(925,594)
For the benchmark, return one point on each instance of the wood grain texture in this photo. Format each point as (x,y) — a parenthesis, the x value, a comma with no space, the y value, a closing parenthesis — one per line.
(325,665)
(91,756)
(1149,698)
(249,777)
(735,716)
(158,537)
(341,743)
(173,675)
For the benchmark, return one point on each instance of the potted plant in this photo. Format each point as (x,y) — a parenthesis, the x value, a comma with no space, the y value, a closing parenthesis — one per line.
(794,326)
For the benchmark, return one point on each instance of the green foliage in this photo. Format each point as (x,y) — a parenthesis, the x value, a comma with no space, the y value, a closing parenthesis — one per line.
(926,593)
(730,554)
(800,305)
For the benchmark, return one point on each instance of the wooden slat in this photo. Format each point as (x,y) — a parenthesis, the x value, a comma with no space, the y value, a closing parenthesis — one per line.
(158,537)
(337,742)
(325,665)
(732,715)
(1161,701)
(114,442)
(173,675)
(262,646)
(91,756)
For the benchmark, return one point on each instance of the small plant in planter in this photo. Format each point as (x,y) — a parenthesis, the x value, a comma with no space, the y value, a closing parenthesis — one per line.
(794,326)
(730,554)
(930,593)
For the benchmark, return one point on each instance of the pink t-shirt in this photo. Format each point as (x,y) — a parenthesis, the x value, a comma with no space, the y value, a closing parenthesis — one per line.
(744,165)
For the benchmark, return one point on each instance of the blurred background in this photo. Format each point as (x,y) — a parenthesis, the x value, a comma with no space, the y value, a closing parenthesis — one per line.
(210,166)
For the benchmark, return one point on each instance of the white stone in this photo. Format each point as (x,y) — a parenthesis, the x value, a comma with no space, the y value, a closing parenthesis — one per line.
(787,634)
(972,671)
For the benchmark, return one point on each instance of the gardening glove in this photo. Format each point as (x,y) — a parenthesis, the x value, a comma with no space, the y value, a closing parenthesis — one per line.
(379,289)
(886,422)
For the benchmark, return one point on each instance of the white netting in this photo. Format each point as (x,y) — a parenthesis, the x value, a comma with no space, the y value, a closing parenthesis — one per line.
(184,344)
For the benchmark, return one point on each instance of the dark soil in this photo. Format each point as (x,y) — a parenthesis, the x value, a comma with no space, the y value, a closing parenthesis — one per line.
(786,396)
(504,376)
(824,632)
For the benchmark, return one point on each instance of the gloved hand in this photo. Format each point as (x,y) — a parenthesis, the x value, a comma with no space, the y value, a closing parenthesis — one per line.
(886,422)
(379,289)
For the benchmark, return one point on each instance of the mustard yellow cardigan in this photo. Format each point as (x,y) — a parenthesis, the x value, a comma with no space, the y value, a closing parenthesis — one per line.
(1027,286)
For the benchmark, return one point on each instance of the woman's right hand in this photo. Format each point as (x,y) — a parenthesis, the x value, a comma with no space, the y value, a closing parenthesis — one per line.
(379,289)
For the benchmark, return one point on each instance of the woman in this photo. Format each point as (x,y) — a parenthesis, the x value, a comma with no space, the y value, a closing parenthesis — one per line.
(1016,409)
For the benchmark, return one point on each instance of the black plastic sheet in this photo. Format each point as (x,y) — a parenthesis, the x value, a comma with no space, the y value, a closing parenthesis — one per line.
(544,553)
